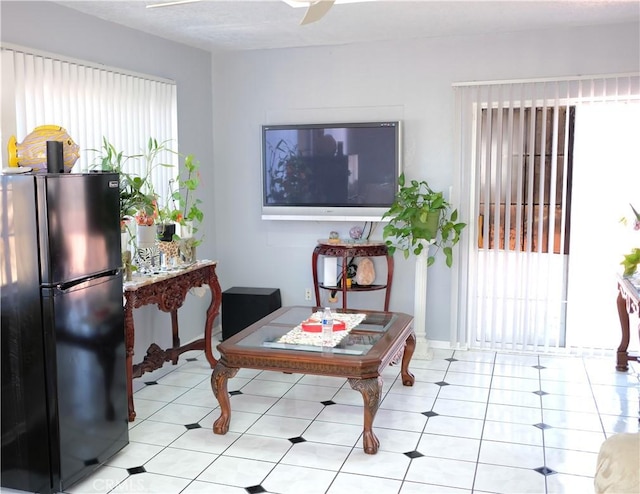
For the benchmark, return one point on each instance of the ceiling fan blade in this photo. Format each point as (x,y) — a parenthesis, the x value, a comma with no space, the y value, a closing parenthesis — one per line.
(316,11)
(170,4)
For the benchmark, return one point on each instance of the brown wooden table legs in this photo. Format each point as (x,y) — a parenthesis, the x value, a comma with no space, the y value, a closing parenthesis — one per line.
(371,390)
(626,304)
(168,293)
(219,377)
(409,347)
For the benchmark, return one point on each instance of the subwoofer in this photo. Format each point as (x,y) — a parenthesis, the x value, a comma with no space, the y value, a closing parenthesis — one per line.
(242,306)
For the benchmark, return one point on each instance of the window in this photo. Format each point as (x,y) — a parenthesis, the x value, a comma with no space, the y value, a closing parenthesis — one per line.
(91,102)
(531,212)
(529,158)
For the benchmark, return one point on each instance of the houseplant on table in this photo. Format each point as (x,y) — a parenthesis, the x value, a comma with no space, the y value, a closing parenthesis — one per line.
(134,190)
(186,207)
(138,198)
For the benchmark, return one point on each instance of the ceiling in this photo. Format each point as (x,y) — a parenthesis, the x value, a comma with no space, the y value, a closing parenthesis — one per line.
(219,25)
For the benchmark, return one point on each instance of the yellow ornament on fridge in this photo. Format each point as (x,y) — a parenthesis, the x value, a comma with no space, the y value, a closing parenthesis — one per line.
(32,151)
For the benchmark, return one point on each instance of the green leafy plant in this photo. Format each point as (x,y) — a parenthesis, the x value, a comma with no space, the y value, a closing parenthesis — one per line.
(134,190)
(185,206)
(631,262)
(138,198)
(421,214)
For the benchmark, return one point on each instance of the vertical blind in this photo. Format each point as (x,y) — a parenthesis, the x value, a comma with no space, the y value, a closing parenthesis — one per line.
(91,102)
(514,169)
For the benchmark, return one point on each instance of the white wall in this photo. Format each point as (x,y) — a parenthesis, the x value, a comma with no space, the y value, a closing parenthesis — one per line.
(406,80)
(49,27)
(409,80)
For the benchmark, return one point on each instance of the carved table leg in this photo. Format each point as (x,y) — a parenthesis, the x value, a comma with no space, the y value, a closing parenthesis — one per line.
(212,311)
(219,378)
(409,347)
(622,360)
(176,335)
(129,335)
(371,390)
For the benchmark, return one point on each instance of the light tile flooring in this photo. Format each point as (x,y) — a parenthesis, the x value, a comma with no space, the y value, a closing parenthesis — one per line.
(473,422)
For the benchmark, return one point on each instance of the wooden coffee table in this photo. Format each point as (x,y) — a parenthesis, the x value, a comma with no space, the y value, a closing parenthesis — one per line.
(382,338)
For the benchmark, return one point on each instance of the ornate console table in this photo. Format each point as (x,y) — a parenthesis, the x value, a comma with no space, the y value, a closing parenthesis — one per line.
(168,291)
(628,303)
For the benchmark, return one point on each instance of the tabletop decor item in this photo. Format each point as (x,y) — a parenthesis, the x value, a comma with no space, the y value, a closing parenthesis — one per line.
(301,336)
(356,233)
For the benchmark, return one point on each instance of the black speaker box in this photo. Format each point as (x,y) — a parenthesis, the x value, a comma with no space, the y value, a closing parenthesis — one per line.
(242,306)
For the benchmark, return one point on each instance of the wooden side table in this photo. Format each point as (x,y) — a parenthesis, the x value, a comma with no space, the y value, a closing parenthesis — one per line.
(346,250)
(628,303)
(168,291)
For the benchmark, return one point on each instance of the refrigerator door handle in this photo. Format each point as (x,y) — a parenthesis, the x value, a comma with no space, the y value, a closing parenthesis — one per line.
(71,285)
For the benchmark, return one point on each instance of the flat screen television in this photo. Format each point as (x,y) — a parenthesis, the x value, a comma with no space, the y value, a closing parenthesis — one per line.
(339,171)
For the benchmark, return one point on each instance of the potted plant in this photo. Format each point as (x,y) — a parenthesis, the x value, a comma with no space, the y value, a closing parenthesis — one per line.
(138,199)
(133,194)
(421,216)
(185,208)
(418,218)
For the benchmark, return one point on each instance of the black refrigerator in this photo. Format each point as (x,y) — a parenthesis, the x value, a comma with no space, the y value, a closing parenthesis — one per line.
(64,398)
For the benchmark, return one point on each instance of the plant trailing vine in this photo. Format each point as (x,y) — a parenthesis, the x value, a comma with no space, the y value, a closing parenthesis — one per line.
(421,214)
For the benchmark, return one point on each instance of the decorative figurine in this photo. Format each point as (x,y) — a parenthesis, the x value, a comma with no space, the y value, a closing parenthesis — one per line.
(334,237)
(355,233)
(32,151)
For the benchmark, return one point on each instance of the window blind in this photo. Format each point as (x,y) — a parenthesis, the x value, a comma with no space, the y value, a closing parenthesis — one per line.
(515,168)
(91,102)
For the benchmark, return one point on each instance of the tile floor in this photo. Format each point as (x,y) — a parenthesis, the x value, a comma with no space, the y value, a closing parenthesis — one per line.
(481,422)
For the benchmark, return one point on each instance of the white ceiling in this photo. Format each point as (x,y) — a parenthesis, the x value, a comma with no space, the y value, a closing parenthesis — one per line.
(219,25)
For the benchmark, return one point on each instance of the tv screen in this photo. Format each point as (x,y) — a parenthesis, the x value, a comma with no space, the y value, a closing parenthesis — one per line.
(342,171)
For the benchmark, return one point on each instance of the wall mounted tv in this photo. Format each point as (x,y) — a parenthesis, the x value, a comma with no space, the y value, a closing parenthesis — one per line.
(336,172)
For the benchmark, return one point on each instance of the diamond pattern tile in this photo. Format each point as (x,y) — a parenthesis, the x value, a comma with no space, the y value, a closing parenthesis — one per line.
(420,450)
(545,471)
(413,454)
(136,470)
(542,426)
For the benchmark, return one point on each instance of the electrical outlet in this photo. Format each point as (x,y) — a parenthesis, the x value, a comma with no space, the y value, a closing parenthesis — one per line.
(307,294)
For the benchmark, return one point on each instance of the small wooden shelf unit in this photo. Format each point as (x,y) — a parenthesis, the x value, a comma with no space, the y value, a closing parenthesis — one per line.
(345,251)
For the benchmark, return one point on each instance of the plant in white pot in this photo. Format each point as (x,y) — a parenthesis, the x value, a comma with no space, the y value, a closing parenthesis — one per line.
(419,218)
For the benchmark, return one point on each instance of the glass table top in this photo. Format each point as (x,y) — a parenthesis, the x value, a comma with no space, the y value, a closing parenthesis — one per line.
(357,342)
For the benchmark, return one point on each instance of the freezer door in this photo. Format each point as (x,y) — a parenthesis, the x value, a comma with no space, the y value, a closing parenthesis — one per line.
(84,336)
(79,225)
